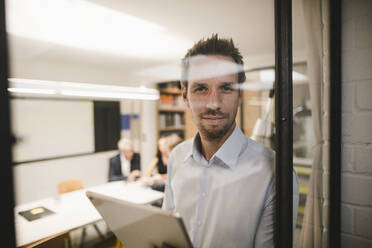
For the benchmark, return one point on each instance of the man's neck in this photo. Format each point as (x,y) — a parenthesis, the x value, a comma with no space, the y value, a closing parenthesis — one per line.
(210,147)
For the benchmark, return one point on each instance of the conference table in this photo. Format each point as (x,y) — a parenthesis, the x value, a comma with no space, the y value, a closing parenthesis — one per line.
(74,210)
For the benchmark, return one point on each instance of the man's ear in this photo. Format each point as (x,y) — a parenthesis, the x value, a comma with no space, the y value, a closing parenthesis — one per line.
(184,95)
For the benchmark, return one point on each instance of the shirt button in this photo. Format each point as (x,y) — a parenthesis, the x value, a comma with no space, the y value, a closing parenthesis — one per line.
(199,223)
(204,194)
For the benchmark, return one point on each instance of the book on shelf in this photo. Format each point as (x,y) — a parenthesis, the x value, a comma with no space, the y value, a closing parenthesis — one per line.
(171,100)
(178,101)
(169,119)
(166,99)
(177,120)
(162,121)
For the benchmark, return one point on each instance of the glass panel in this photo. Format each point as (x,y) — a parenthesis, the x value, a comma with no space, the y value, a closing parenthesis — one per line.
(126,56)
(303,139)
(303,130)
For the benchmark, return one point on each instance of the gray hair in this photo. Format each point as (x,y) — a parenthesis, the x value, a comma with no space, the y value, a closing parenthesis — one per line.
(124,143)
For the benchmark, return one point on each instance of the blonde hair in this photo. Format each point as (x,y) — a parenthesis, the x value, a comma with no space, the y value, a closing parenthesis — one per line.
(172,140)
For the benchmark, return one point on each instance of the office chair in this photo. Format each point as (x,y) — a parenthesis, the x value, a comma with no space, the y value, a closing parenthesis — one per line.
(72,185)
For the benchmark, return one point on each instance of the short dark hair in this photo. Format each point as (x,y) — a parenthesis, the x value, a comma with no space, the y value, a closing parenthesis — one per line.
(213,46)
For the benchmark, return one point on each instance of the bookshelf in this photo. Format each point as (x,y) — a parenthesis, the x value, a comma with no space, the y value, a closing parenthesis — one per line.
(171,109)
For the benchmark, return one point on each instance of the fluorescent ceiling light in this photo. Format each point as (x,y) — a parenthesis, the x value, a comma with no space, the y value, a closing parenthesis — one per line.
(32,91)
(86,25)
(128,95)
(19,85)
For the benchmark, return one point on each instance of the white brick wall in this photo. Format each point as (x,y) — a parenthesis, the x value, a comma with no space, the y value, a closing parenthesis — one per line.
(356,180)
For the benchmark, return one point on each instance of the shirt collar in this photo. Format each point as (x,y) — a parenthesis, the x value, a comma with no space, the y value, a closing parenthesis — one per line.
(122,158)
(228,153)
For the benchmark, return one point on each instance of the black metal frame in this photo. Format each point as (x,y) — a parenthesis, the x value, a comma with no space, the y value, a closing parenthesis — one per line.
(283,123)
(334,240)
(6,174)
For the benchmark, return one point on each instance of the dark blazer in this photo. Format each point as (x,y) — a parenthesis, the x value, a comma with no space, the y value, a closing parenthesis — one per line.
(115,173)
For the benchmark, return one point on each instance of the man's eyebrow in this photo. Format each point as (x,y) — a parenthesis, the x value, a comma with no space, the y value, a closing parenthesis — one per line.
(227,83)
(197,85)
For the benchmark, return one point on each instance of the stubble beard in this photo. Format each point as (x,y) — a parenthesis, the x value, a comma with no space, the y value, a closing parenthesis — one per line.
(217,132)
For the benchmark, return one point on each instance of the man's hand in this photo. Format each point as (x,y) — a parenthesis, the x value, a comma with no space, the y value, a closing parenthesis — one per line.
(134,175)
(147,181)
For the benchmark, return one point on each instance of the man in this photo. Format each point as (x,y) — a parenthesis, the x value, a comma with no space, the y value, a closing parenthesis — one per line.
(126,165)
(220,182)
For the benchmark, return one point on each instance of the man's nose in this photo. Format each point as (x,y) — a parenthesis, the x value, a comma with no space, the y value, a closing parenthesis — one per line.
(214,100)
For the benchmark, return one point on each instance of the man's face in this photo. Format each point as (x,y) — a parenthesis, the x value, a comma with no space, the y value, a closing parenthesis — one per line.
(127,152)
(213,99)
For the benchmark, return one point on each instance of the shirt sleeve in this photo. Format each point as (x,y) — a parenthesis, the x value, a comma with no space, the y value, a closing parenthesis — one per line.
(265,230)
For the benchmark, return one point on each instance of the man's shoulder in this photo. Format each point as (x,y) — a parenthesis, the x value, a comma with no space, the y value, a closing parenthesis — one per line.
(182,149)
(115,156)
(260,149)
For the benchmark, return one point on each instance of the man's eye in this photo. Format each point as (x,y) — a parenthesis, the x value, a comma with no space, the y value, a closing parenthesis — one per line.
(227,88)
(200,89)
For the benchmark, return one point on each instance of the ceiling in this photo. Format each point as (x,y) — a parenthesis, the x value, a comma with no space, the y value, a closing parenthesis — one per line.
(249,22)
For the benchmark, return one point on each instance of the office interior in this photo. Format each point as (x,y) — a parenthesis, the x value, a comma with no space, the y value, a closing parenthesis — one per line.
(132,55)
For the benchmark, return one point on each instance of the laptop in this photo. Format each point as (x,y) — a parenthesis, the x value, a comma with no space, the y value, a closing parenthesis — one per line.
(137,225)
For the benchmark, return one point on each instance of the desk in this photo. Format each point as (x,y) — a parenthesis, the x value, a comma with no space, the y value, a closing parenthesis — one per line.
(74,210)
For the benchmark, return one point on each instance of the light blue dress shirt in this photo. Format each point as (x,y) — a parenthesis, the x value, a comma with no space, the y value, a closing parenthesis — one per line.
(230,201)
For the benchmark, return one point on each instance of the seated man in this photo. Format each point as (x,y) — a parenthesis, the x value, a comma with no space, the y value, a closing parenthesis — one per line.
(126,165)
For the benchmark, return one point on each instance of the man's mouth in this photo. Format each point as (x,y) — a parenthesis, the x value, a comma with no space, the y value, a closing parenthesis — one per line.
(213,120)
(213,117)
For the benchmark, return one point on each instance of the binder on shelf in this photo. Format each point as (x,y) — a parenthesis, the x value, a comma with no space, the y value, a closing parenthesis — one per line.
(166,99)
(177,120)
(178,101)
(169,119)
(162,121)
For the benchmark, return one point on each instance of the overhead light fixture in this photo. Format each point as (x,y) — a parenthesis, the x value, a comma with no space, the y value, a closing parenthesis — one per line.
(32,91)
(128,95)
(85,25)
(81,90)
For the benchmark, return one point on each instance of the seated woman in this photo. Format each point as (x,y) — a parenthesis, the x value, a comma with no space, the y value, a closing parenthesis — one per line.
(156,173)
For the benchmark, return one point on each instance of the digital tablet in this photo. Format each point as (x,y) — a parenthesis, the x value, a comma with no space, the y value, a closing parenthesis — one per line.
(137,225)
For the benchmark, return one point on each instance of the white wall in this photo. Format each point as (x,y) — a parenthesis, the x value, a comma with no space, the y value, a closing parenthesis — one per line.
(144,132)
(356,181)
(149,133)
(38,180)
(34,181)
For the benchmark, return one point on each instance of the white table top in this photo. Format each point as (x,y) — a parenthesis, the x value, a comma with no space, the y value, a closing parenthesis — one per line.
(74,210)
